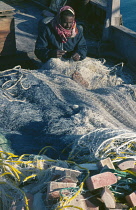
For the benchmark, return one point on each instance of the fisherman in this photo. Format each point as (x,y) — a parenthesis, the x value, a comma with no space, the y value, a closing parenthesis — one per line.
(61,38)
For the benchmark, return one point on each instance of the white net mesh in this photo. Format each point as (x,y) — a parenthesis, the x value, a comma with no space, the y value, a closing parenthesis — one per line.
(103,143)
(45,102)
(46,108)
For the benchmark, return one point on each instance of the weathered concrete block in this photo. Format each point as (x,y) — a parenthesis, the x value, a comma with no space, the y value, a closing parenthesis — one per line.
(108,198)
(105,162)
(119,206)
(65,174)
(80,201)
(100,180)
(126,164)
(131,199)
(53,189)
(95,200)
(133,169)
(91,206)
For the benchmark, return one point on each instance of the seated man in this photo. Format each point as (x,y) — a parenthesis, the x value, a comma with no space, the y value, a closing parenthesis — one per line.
(61,37)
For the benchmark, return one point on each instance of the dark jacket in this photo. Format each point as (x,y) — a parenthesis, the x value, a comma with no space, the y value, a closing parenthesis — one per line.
(48,40)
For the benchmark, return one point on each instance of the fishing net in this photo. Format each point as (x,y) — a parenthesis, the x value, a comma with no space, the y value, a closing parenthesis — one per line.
(96,72)
(45,107)
(18,175)
(25,175)
(5,144)
(103,143)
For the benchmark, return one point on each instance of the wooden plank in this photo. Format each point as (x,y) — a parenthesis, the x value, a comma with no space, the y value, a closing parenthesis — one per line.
(5,24)
(7,13)
(7,30)
(7,36)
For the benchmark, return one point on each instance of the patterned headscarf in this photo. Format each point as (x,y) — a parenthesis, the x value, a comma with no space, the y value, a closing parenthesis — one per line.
(62,32)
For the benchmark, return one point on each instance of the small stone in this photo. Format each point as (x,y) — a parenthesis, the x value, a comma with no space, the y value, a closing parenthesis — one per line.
(75,106)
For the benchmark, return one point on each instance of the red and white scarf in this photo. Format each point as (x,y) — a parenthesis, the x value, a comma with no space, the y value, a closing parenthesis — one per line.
(62,32)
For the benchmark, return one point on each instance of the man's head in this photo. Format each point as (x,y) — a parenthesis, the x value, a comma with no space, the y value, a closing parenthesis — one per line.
(67,18)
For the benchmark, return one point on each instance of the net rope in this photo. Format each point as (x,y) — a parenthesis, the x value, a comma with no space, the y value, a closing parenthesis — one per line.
(97,122)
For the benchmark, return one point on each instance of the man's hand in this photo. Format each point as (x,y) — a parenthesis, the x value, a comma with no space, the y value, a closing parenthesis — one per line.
(60,53)
(57,53)
(76,57)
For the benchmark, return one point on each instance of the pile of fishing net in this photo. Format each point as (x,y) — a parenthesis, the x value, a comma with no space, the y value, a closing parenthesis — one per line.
(102,143)
(22,175)
(24,181)
(45,107)
(96,72)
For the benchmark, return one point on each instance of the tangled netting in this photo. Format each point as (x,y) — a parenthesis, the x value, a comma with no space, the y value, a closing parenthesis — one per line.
(46,107)
(17,177)
(103,143)
(46,110)
(24,182)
